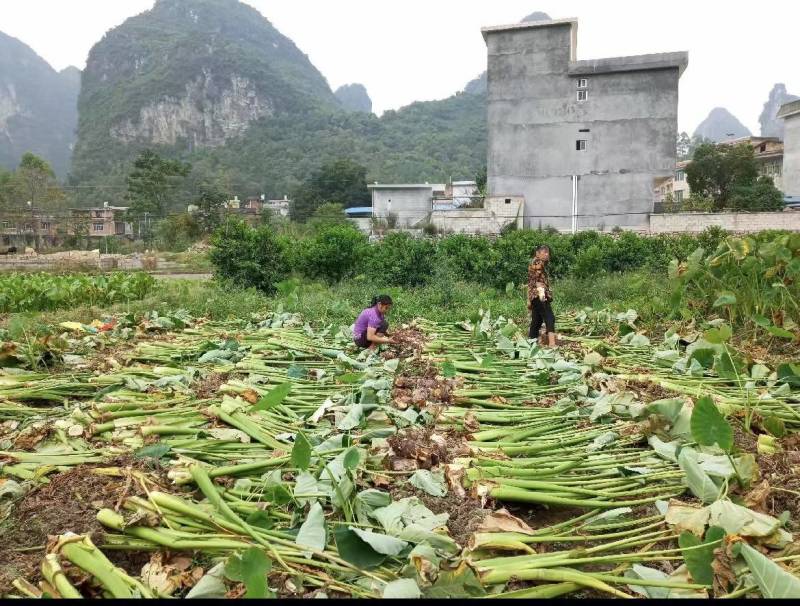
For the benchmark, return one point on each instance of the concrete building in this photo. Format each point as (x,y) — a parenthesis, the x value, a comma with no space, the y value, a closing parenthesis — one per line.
(585,142)
(34,227)
(768,151)
(406,206)
(790,114)
(100,222)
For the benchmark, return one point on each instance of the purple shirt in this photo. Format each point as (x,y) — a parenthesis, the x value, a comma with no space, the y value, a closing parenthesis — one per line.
(369,317)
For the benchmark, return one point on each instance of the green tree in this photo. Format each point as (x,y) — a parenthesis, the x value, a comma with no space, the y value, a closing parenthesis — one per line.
(330,213)
(6,188)
(248,257)
(717,170)
(210,200)
(152,182)
(481,179)
(35,182)
(683,145)
(341,181)
(762,195)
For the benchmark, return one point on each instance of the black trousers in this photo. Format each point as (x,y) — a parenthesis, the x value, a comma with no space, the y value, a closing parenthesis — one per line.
(381,330)
(541,313)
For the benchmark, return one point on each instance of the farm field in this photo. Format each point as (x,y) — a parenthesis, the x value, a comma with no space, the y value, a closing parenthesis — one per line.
(168,455)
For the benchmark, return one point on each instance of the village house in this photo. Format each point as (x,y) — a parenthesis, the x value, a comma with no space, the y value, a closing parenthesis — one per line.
(790,114)
(100,222)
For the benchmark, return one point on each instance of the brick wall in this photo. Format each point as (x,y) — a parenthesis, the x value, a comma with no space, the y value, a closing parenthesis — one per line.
(733,222)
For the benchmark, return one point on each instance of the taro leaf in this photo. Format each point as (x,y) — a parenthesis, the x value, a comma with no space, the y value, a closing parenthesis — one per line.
(701,485)
(432,483)
(368,500)
(666,450)
(775,426)
(773,580)
(725,298)
(382,543)
(742,521)
(709,427)
(154,451)
(648,574)
(351,458)
(488,361)
(296,372)
(274,398)
(312,532)
(458,583)
(350,378)
(211,585)
(402,589)
(781,333)
(301,452)
(699,560)
(414,533)
(352,419)
(448,369)
(789,374)
(260,519)
(250,567)
(277,494)
(391,365)
(356,551)
(729,367)
(718,335)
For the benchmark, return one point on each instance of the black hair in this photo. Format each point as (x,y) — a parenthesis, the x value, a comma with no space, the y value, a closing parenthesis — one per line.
(541,248)
(382,299)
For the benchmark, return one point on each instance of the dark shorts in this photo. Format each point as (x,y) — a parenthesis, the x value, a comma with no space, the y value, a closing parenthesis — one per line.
(362,340)
(541,313)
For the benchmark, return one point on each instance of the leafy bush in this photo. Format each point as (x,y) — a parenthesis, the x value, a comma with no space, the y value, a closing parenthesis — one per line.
(249,257)
(400,260)
(761,196)
(334,253)
(466,256)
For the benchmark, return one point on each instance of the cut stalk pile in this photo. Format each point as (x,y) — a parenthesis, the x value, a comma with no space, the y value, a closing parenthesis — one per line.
(271,459)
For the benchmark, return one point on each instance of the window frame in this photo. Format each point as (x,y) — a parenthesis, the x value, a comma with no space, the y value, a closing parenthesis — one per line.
(582,92)
(95,225)
(583,83)
(581,144)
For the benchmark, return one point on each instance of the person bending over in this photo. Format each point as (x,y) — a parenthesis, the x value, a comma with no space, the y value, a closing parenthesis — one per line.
(371,328)
(540,297)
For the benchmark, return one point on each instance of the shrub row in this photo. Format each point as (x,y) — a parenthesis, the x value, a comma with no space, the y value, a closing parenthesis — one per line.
(259,257)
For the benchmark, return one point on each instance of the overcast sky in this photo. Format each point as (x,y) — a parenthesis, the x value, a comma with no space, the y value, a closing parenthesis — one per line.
(428,49)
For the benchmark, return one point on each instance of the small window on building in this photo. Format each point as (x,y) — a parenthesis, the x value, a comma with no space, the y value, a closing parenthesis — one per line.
(580,145)
(680,176)
(508,200)
(6,225)
(583,83)
(584,130)
(45,225)
(679,196)
(98,226)
(763,148)
(583,95)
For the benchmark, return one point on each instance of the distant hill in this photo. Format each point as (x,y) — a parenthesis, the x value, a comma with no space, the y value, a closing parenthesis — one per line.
(213,82)
(770,125)
(354,98)
(38,107)
(721,125)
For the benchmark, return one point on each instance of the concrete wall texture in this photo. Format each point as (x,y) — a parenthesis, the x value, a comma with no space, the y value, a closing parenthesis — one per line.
(733,222)
(791,155)
(496,214)
(412,205)
(629,123)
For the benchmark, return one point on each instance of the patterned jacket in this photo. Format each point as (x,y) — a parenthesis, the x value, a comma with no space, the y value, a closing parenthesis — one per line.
(537,277)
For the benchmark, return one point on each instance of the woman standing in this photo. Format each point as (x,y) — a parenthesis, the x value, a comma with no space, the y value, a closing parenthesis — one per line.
(540,296)
(371,328)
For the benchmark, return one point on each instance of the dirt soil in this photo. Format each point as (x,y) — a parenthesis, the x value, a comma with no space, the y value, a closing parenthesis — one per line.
(68,503)
(409,341)
(466,515)
(208,386)
(782,471)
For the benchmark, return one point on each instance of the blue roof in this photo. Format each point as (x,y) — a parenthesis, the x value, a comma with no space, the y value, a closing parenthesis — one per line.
(791,200)
(359,210)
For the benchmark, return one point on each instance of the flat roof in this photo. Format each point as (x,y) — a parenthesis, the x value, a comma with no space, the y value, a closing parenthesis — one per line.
(405,186)
(789,109)
(633,63)
(493,29)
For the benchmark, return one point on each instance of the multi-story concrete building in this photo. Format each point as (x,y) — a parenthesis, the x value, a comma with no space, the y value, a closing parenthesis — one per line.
(585,142)
(790,113)
(100,222)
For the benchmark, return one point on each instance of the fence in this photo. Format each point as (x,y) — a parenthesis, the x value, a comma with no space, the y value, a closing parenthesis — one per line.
(732,222)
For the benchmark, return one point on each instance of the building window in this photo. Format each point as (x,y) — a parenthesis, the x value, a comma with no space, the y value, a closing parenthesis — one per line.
(580,145)
(583,83)
(98,226)
(583,95)
(508,200)
(45,226)
(680,176)
(679,196)
(6,225)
